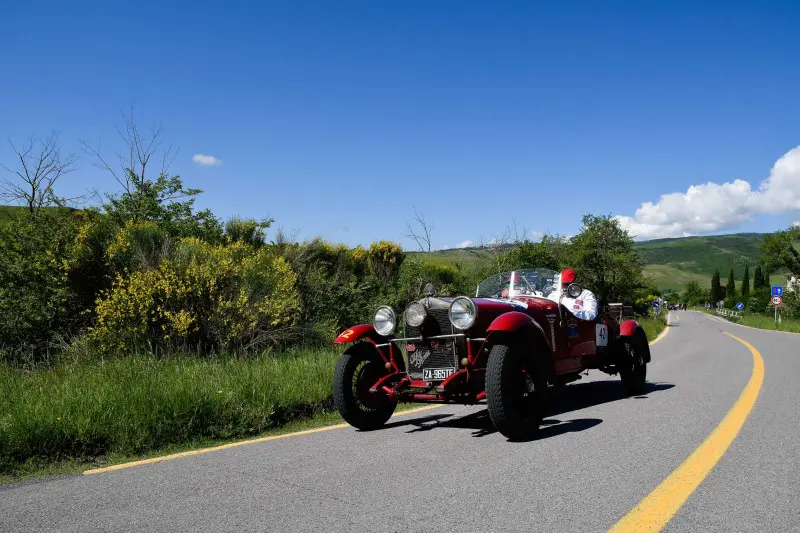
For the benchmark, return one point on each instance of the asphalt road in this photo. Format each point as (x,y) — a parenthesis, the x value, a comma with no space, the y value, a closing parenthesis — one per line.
(446,469)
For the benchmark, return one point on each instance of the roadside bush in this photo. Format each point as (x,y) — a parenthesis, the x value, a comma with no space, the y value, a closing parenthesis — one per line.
(37,307)
(206,298)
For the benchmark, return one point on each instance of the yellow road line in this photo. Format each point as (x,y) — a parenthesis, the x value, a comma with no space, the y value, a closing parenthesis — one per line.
(662,334)
(238,443)
(653,513)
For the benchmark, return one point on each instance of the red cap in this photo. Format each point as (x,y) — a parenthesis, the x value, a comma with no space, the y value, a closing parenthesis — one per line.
(568,276)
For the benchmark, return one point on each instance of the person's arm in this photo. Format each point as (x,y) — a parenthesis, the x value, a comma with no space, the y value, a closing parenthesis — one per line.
(585,306)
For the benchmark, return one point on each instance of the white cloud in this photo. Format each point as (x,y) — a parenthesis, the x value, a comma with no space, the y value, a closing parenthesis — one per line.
(796,224)
(536,236)
(465,244)
(202,159)
(711,207)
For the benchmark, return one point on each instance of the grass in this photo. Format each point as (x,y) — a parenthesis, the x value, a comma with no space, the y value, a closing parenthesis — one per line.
(133,406)
(37,467)
(653,326)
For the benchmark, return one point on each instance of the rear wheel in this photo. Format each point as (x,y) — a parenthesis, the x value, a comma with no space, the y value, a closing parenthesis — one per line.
(358,369)
(633,362)
(515,392)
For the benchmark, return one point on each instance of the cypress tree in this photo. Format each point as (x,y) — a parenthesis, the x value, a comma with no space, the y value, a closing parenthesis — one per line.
(730,288)
(746,282)
(758,278)
(716,292)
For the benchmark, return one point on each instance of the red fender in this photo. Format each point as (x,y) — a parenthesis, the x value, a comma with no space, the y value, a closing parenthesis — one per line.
(367,331)
(357,332)
(628,328)
(514,321)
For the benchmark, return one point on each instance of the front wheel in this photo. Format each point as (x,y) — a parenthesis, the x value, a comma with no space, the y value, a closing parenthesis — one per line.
(515,392)
(358,369)
(633,362)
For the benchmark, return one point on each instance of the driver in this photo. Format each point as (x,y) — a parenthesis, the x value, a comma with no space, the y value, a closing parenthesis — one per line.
(584,306)
(521,286)
(507,287)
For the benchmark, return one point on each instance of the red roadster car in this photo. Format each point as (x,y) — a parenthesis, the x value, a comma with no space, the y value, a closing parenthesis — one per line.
(502,346)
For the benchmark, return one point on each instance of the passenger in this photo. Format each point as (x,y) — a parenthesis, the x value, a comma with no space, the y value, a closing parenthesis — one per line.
(584,306)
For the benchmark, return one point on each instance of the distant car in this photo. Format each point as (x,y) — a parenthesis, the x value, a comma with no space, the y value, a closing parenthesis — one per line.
(506,346)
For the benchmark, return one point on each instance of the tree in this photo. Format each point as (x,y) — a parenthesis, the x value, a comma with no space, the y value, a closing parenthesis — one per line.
(716,289)
(746,282)
(162,199)
(730,288)
(758,278)
(780,252)
(694,295)
(41,165)
(604,256)
(421,236)
(550,252)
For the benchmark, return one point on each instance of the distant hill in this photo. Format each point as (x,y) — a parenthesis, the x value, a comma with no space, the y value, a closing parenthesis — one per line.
(7,212)
(672,263)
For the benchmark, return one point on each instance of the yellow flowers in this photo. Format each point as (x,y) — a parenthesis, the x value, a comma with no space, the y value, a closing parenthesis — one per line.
(224,296)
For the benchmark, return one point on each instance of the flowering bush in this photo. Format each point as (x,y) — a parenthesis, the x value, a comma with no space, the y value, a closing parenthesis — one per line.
(206,297)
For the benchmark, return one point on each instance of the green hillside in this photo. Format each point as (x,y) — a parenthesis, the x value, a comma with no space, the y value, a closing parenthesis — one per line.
(671,263)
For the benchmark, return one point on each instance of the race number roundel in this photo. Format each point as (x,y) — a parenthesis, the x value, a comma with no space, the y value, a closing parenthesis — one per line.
(601,335)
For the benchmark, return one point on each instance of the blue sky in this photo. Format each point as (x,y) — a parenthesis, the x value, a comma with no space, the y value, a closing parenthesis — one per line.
(337,118)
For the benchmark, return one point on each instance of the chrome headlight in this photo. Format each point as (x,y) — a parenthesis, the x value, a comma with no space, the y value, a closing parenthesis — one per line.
(415,314)
(385,320)
(463,312)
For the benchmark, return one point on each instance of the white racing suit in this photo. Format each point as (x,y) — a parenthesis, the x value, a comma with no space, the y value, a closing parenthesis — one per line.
(584,306)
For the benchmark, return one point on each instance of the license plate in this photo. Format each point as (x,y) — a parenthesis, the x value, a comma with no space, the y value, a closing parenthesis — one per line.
(437,374)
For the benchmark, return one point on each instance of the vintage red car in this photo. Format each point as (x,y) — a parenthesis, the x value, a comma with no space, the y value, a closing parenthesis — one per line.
(506,346)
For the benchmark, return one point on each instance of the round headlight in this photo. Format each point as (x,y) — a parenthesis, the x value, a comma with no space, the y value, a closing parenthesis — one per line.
(385,320)
(463,312)
(574,290)
(415,314)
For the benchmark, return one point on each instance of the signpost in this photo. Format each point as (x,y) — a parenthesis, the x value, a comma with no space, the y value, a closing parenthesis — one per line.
(777,301)
(657,307)
(740,306)
(777,290)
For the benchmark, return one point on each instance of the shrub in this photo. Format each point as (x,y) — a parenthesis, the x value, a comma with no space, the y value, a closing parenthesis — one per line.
(207,297)
(36,304)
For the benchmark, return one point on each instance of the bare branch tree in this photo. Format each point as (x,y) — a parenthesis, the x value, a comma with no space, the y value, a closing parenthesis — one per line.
(422,236)
(41,165)
(140,147)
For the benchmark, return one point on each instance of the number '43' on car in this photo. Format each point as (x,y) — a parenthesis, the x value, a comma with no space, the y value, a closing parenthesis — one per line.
(505,347)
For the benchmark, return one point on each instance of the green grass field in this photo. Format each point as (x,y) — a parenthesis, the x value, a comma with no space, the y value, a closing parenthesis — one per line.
(136,405)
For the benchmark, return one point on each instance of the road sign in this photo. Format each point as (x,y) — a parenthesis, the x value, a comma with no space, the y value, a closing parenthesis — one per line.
(740,306)
(777,290)
(656,303)
(777,300)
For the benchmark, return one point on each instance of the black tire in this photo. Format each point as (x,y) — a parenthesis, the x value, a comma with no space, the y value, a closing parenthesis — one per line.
(515,392)
(358,369)
(633,362)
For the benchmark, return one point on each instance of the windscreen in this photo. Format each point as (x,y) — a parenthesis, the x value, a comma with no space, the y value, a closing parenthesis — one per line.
(526,282)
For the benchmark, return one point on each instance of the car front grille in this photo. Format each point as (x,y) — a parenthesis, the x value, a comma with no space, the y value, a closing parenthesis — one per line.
(436,353)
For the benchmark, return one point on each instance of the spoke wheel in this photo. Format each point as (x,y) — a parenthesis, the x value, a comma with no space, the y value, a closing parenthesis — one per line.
(515,393)
(358,369)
